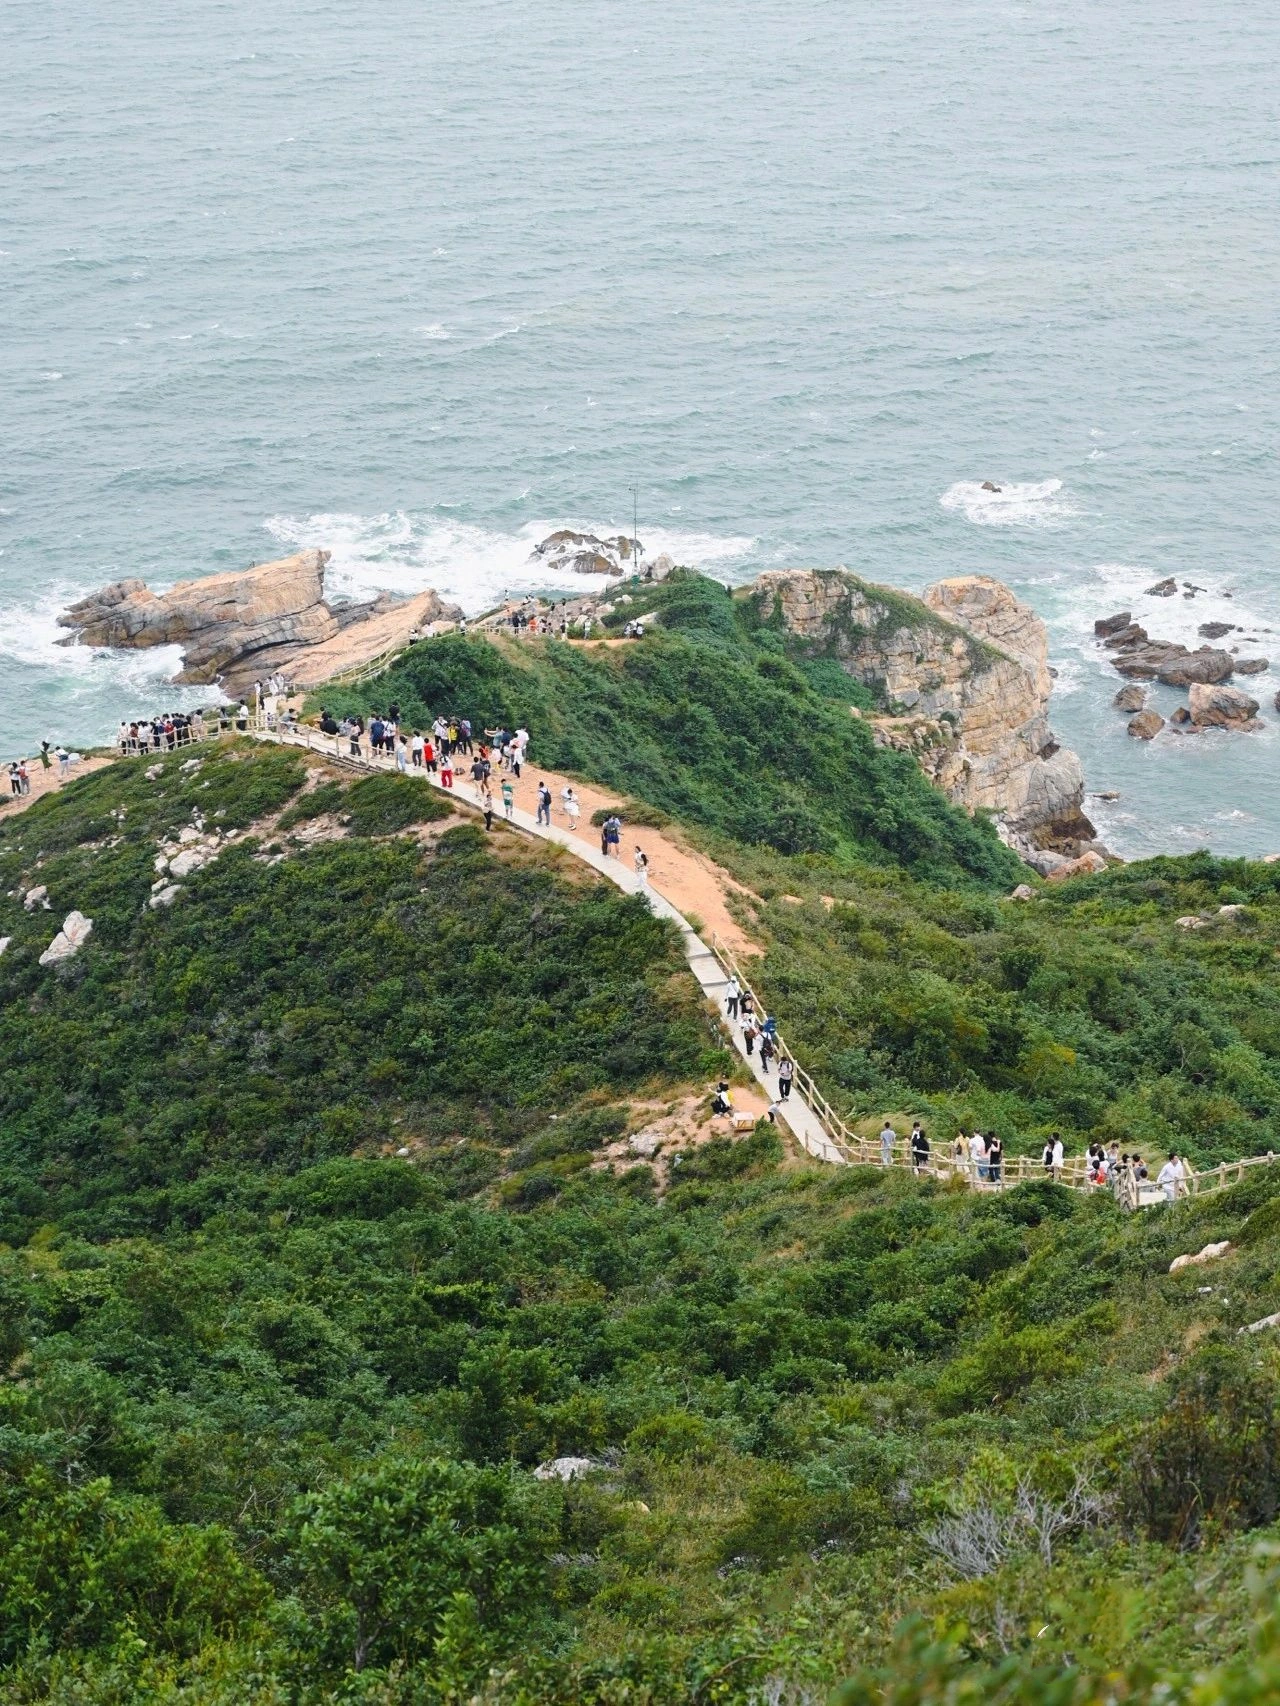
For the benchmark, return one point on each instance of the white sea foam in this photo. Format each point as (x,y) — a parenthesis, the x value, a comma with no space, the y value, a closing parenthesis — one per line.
(103,682)
(475,566)
(434,331)
(1041,503)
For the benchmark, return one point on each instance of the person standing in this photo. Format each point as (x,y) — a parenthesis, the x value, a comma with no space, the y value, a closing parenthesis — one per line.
(766,1048)
(46,762)
(749,1035)
(446,772)
(786,1072)
(732,990)
(402,756)
(641,864)
(544,804)
(1170,1177)
(995,1159)
(1057,1158)
(919,1148)
(978,1155)
(416,749)
(508,799)
(486,805)
(888,1137)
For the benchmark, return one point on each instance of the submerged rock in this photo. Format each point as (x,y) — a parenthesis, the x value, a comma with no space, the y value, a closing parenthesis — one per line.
(1163,589)
(1252,666)
(1215,630)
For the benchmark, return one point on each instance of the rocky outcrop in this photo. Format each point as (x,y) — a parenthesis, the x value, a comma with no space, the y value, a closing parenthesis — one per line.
(1130,699)
(241,626)
(964,677)
(584,554)
(1216,707)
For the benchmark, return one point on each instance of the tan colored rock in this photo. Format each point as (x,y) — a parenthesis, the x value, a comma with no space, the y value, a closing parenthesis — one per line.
(1087,865)
(246,624)
(1146,725)
(972,664)
(1130,699)
(1218,707)
(1210,1253)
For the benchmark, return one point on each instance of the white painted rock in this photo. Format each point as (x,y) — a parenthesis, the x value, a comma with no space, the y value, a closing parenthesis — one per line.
(153,772)
(75,932)
(564,1469)
(1210,1253)
(165,896)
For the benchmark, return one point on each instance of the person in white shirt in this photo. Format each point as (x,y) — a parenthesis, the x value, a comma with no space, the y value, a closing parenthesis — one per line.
(732,990)
(978,1154)
(1170,1177)
(1057,1157)
(888,1137)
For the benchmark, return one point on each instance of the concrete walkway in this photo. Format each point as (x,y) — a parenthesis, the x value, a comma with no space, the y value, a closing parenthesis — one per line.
(799,1118)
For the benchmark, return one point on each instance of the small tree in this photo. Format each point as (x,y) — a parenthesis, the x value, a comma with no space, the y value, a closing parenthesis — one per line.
(389,1561)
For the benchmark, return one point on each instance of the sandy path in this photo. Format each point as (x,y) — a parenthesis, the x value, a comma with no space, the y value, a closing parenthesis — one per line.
(45,781)
(689,880)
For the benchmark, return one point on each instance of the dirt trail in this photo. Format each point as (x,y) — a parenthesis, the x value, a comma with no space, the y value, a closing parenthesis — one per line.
(689,880)
(46,782)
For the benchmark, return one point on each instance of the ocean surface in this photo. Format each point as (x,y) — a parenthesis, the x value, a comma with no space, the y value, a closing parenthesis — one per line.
(417,284)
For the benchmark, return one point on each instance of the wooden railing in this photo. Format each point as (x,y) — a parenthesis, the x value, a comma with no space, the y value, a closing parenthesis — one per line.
(861,1151)
(854,1149)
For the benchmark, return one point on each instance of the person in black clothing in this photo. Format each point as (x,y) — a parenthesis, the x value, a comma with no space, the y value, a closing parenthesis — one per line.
(919,1148)
(995,1158)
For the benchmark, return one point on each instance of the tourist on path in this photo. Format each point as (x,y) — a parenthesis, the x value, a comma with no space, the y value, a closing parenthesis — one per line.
(786,1072)
(888,1137)
(544,804)
(486,804)
(732,990)
(919,1148)
(995,1159)
(508,800)
(641,864)
(1170,1177)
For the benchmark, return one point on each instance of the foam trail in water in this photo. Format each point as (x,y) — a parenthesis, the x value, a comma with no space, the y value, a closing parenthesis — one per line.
(474,566)
(1042,503)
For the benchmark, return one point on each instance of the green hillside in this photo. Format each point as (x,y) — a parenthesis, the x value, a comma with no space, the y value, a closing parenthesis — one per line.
(274,1393)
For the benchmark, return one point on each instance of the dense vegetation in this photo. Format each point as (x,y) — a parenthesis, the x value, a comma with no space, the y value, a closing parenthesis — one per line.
(909,985)
(274,1391)
(711,719)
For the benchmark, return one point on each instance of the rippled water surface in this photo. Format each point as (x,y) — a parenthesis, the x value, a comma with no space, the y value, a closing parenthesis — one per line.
(418,283)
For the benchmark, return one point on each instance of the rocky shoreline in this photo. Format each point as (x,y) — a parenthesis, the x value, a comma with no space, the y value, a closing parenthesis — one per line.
(960,677)
(245,625)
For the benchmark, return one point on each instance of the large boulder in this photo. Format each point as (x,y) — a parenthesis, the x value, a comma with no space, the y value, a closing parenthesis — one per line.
(1129,699)
(75,932)
(972,663)
(1217,707)
(1112,624)
(246,624)
(1163,589)
(1208,664)
(1146,725)
(584,553)
(1252,666)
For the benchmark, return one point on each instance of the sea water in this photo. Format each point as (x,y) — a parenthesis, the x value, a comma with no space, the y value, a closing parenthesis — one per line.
(419,283)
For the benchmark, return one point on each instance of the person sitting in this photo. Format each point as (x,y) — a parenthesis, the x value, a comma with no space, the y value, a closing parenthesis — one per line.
(722,1101)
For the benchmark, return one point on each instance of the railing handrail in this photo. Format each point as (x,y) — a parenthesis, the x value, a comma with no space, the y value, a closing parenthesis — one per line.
(852,1148)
